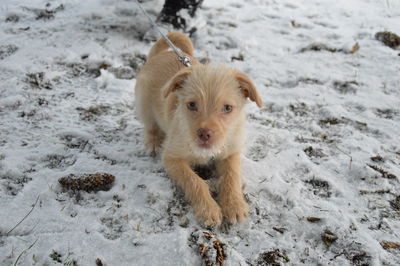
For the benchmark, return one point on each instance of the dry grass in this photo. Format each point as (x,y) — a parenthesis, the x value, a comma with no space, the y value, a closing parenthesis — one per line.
(384,173)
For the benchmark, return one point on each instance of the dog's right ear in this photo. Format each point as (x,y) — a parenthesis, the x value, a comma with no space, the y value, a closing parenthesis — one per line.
(176,82)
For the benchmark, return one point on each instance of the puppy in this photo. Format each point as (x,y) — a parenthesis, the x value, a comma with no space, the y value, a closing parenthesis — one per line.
(195,115)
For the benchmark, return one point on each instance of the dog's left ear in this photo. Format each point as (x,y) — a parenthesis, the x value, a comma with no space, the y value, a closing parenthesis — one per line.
(248,88)
(176,82)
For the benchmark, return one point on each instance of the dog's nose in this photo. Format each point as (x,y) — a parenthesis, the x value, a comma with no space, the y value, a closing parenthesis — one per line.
(204,134)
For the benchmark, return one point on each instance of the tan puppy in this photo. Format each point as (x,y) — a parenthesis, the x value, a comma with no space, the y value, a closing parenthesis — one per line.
(196,114)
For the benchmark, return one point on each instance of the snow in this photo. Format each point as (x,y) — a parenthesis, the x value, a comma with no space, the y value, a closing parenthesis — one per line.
(78,117)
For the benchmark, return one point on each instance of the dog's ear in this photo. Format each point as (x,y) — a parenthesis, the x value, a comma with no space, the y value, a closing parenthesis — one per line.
(176,82)
(248,88)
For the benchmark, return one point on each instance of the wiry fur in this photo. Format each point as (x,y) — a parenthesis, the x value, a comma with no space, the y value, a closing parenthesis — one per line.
(163,89)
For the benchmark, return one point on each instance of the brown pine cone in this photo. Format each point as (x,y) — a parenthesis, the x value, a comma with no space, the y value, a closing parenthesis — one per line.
(87,182)
(388,38)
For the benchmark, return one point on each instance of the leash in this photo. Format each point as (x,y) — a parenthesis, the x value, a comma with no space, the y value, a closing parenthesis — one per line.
(183,58)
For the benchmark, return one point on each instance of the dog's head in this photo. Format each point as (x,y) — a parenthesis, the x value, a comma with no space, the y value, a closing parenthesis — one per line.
(210,101)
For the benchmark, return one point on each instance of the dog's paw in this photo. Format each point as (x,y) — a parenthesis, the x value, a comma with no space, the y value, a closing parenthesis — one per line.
(234,209)
(209,213)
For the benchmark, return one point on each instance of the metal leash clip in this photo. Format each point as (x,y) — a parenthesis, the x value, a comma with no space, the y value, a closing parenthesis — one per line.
(185,60)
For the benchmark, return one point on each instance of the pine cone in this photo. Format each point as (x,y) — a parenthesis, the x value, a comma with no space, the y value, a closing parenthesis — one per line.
(388,38)
(87,182)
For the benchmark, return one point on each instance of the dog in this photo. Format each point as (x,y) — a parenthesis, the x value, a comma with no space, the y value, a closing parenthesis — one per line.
(195,115)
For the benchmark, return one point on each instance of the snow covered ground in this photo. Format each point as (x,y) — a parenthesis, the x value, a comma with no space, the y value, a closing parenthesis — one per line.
(331,109)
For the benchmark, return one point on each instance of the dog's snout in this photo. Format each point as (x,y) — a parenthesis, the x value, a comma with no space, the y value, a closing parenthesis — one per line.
(204,134)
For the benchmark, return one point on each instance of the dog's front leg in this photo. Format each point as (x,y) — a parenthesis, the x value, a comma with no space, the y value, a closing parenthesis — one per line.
(234,207)
(196,190)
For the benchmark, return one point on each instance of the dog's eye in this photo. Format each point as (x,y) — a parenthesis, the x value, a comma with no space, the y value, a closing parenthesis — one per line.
(227,108)
(192,106)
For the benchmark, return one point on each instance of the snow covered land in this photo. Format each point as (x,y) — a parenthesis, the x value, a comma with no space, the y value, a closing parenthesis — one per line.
(322,166)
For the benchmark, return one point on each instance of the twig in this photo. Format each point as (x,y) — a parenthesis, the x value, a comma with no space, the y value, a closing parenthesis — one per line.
(269,234)
(351,158)
(279,229)
(337,255)
(33,228)
(25,250)
(33,207)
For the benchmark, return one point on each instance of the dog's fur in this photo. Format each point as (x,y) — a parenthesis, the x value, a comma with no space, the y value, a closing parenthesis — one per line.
(193,136)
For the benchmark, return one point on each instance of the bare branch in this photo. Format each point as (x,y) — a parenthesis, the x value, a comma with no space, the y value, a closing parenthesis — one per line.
(33,207)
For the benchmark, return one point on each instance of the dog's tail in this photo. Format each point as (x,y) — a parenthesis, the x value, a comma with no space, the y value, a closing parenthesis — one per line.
(180,40)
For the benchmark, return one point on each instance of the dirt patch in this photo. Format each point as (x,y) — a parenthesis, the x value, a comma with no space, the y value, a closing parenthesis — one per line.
(314,152)
(299,109)
(57,258)
(346,87)
(134,61)
(292,83)
(387,113)
(274,257)
(356,255)
(317,47)
(343,120)
(85,69)
(310,81)
(37,80)
(75,142)
(240,57)
(93,112)
(377,159)
(258,150)
(59,161)
(330,121)
(395,203)
(42,102)
(93,69)
(360,259)
(319,187)
(104,157)
(114,227)
(46,13)
(27,114)
(12,18)
(12,183)
(177,209)
(7,50)
(123,72)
